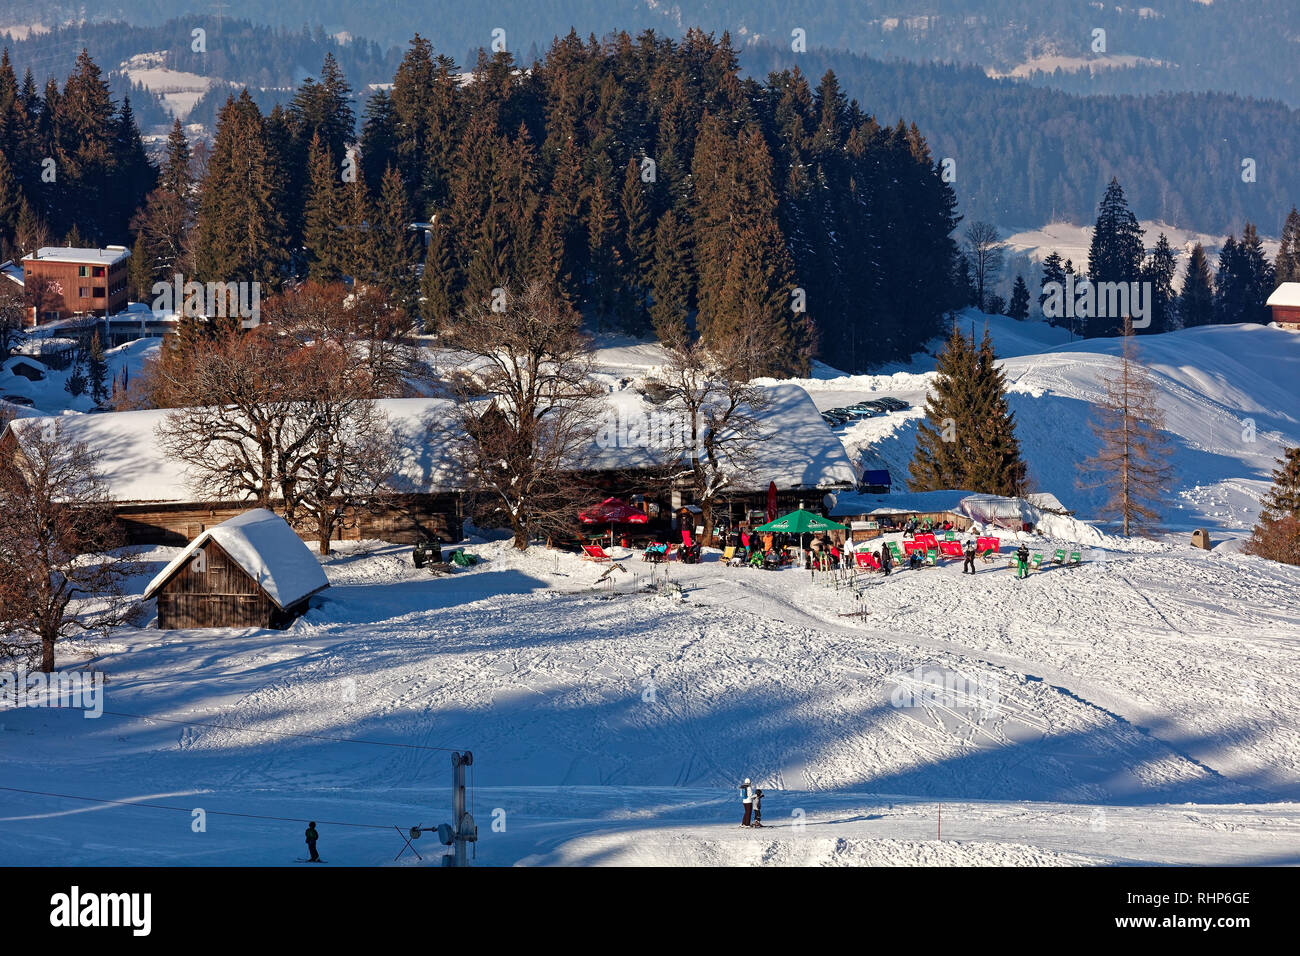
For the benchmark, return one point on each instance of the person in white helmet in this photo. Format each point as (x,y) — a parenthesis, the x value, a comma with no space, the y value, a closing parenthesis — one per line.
(747,798)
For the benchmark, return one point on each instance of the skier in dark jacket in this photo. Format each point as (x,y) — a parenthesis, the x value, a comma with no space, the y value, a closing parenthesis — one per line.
(311,841)
(969,566)
(886,559)
(1022,561)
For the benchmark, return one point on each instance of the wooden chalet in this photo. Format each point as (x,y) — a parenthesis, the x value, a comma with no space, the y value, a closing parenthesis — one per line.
(1285,303)
(249,571)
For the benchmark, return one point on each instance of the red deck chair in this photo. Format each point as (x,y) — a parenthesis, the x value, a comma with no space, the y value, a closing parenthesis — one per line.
(594,552)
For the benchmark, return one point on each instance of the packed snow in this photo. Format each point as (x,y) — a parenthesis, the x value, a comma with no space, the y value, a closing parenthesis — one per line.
(1138,707)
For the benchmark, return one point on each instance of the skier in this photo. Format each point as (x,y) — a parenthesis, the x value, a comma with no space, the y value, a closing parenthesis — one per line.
(1022,561)
(747,798)
(886,559)
(311,841)
(969,566)
(758,808)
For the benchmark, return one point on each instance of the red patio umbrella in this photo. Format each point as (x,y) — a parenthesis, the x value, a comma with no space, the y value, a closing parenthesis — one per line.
(613,511)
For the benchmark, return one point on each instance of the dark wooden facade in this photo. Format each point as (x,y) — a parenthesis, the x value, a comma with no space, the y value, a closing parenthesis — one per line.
(404,519)
(211,590)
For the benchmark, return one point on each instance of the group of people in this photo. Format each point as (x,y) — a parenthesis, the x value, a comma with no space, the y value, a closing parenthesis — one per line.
(913,526)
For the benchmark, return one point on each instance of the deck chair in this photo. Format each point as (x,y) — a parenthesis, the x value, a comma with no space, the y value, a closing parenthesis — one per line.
(931,557)
(1075,557)
(1059,556)
(591,552)
(1036,562)
(950,536)
(899,557)
(730,557)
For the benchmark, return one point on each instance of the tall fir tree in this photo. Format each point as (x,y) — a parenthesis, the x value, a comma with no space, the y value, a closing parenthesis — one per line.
(1196,297)
(1115,253)
(1286,266)
(1276,535)
(241,226)
(940,460)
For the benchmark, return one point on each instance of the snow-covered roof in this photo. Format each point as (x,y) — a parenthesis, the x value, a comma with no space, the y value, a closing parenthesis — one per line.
(90,257)
(12,271)
(798,450)
(135,468)
(1046,501)
(913,502)
(1287,294)
(267,549)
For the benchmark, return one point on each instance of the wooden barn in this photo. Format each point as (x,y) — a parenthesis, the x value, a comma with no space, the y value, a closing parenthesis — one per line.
(250,571)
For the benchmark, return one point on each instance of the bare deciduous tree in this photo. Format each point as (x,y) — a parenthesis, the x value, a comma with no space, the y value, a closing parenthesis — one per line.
(377,337)
(721,415)
(13,321)
(286,425)
(1132,463)
(984,249)
(57,541)
(526,409)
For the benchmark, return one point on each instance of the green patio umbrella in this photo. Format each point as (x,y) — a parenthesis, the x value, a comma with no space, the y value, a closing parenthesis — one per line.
(799,522)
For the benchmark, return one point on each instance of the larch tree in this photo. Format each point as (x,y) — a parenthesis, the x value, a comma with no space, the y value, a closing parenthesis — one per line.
(1132,461)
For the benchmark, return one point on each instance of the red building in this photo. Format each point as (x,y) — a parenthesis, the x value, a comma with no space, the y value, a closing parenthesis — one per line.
(1285,303)
(62,282)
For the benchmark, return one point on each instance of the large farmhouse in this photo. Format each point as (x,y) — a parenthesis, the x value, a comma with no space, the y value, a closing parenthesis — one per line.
(154,499)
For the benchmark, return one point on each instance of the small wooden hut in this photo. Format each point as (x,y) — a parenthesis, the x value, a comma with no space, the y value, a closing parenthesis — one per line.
(250,571)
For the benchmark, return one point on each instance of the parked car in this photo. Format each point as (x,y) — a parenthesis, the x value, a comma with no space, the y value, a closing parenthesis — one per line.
(18,400)
(894,404)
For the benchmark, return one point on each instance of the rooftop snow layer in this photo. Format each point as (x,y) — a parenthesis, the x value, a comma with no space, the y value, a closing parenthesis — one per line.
(94,257)
(267,549)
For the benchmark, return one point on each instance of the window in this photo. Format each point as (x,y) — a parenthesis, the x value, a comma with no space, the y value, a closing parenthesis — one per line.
(83,272)
(83,292)
(99,272)
(99,292)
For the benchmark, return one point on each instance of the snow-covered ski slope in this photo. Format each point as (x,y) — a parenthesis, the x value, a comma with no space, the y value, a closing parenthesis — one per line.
(1138,708)
(1229,395)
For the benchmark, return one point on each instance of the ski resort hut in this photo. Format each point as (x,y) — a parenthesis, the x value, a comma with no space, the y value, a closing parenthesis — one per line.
(1285,304)
(250,571)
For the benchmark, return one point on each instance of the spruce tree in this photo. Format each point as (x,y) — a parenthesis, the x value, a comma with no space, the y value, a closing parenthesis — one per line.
(994,464)
(670,280)
(1276,535)
(1159,271)
(1287,264)
(241,228)
(940,460)
(1196,298)
(1018,308)
(1115,254)
(323,215)
(1053,272)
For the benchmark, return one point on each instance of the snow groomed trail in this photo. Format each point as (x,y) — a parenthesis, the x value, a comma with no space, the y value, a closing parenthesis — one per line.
(1141,710)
